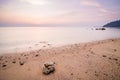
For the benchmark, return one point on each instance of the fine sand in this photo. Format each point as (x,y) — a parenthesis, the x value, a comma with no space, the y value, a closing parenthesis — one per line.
(98,60)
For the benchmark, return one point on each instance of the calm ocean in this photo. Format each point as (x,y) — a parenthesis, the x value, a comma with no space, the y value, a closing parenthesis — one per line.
(15,39)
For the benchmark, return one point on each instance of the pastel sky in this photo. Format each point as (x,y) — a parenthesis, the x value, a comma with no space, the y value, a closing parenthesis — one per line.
(58,12)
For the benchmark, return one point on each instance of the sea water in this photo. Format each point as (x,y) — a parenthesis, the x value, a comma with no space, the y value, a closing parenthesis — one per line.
(15,39)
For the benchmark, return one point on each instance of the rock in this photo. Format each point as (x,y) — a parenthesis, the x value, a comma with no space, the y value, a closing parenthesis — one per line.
(115,50)
(36,55)
(110,58)
(100,29)
(104,55)
(71,73)
(48,68)
(115,59)
(103,29)
(21,62)
(4,65)
(14,62)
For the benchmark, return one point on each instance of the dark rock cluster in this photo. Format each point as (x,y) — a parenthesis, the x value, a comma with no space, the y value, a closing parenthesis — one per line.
(100,29)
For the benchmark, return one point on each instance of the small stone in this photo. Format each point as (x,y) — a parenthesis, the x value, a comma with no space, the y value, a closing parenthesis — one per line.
(112,40)
(115,50)
(36,55)
(105,74)
(115,59)
(110,58)
(104,55)
(4,65)
(14,62)
(92,52)
(96,75)
(21,62)
(86,72)
(71,73)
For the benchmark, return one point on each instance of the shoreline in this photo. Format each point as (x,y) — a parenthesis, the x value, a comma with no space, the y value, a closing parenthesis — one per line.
(14,51)
(53,47)
(97,60)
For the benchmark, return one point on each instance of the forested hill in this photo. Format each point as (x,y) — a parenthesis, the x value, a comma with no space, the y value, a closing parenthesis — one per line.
(113,24)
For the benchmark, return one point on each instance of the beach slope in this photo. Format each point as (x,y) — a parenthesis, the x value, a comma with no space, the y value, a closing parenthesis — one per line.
(99,60)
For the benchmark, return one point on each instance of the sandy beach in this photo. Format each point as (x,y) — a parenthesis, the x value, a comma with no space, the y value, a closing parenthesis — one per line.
(99,60)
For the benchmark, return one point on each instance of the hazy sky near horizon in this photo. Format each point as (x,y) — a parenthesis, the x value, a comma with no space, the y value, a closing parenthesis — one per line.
(58,12)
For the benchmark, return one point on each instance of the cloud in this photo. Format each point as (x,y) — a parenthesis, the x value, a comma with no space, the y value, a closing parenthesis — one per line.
(94,4)
(103,10)
(36,2)
(91,3)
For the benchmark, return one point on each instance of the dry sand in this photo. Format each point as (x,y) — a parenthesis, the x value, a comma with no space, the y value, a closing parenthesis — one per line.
(98,60)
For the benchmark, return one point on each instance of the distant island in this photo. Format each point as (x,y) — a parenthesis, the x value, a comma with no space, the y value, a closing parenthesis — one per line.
(113,24)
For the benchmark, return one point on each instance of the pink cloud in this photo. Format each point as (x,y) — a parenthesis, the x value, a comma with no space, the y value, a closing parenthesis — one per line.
(91,3)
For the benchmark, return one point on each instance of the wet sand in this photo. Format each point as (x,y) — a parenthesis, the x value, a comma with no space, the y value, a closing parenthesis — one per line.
(98,60)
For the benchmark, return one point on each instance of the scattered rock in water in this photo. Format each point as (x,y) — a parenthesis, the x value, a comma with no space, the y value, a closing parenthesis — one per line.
(100,29)
(48,68)
(21,62)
